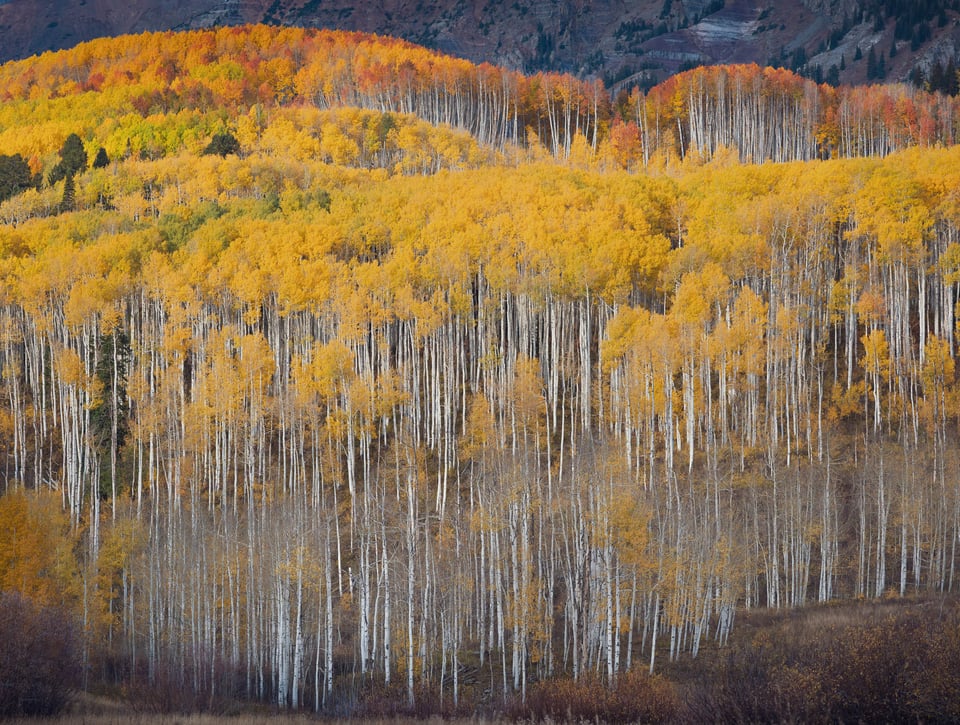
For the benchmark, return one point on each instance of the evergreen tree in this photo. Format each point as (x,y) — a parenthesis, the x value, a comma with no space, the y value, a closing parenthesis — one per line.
(101,160)
(69,200)
(950,80)
(73,159)
(222,144)
(72,154)
(833,76)
(916,78)
(936,80)
(15,176)
(109,416)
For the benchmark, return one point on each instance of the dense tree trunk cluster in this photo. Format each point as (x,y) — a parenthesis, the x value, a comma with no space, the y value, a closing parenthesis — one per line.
(524,421)
(772,114)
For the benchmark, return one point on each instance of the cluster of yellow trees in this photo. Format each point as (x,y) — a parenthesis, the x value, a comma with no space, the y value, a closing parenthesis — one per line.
(375,398)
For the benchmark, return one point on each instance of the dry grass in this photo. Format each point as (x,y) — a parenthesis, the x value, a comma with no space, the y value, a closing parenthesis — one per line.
(253,718)
(135,718)
(87,709)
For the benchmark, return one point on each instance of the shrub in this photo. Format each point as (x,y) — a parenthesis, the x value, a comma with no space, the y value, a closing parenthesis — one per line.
(635,698)
(375,700)
(882,665)
(211,686)
(39,661)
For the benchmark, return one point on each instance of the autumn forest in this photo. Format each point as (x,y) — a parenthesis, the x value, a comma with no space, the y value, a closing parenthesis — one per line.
(334,369)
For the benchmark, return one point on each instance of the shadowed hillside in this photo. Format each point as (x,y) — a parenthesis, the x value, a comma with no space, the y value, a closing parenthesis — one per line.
(848,41)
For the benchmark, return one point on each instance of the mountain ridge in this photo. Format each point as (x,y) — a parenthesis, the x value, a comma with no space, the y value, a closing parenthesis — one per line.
(638,44)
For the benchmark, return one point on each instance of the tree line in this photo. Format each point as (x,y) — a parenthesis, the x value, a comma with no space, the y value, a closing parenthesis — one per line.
(166,92)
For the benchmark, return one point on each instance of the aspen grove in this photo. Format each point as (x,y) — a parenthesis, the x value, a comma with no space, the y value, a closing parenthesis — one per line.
(456,379)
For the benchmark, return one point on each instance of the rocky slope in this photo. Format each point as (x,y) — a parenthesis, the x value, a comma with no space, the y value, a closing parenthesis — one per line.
(622,42)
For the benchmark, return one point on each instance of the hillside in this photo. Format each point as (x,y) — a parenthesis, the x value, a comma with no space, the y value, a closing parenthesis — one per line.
(346,376)
(154,94)
(640,43)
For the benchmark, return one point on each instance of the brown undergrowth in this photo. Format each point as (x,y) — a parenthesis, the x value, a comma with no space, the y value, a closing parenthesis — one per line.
(889,661)
(895,661)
